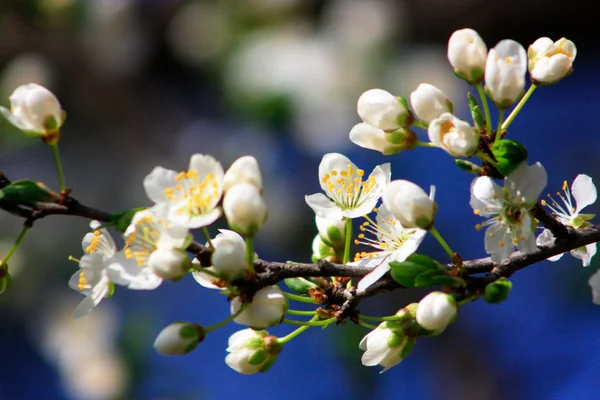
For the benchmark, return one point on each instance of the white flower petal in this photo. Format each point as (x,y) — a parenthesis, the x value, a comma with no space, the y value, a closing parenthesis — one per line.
(528,182)
(373,276)
(486,195)
(584,191)
(204,220)
(585,254)
(157,181)
(324,207)
(498,243)
(333,162)
(97,293)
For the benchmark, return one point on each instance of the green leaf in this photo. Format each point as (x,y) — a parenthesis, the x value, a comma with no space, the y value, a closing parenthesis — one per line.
(121,220)
(299,285)
(509,155)
(478,118)
(426,279)
(447,280)
(406,273)
(26,192)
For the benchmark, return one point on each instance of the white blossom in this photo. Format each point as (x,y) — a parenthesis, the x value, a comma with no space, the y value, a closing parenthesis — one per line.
(266,309)
(386,346)
(409,204)
(178,338)
(429,102)
(169,263)
(392,241)
(243,170)
(436,311)
(193,195)
(509,222)
(584,192)
(383,110)
(207,279)
(245,208)
(34,110)
(229,254)
(551,61)
(387,143)
(467,54)
(505,70)
(455,136)
(348,195)
(251,351)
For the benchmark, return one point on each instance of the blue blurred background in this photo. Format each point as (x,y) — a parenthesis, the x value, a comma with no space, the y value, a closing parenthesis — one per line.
(149,83)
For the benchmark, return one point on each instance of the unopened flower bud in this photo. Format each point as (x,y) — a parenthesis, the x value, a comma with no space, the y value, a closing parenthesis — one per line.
(331,231)
(497,291)
(266,309)
(550,61)
(36,111)
(245,209)
(429,102)
(383,110)
(467,54)
(455,136)
(409,204)
(321,250)
(168,263)
(436,311)
(252,351)
(229,255)
(179,338)
(386,345)
(505,73)
(243,170)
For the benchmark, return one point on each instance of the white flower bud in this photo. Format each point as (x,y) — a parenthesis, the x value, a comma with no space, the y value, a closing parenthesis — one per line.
(467,53)
(331,231)
(243,170)
(387,143)
(436,311)
(252,351)
(229,255)
(410,204)
(266,309)
(34,110)
(386,346)
(505,70)
(550,61)
(169,263)
(455,136)
(245,209)
(320,249)
(179,338)
(429,102)
(382,110)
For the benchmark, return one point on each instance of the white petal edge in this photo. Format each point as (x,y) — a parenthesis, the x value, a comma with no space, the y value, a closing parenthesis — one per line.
(584,191)
(323,206)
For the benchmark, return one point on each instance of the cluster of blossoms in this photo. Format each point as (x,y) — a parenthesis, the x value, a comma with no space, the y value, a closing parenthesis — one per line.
(157,239)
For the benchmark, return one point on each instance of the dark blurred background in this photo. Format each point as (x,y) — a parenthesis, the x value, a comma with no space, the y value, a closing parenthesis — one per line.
(151,82)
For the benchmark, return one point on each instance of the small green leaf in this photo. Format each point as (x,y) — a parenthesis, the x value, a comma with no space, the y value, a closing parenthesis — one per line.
(26,192)
(497,291)
(426,279)
(121,220)
(447,280)
(478,118)
(299,285)
(406,273)
(509,155)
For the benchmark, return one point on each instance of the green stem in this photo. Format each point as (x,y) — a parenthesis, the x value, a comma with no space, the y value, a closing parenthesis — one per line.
(15,246)
(310,323)
(348,230)
(207,236)
(302,299)
(499,128)
(226,320)
(486,109)
(518,108)
(295,333)
(421,124)
(370,318)
(467,300)
(442,242)
(250,254)
(59,170)
(424,144)
(298,312)
(366,324)
(484,157)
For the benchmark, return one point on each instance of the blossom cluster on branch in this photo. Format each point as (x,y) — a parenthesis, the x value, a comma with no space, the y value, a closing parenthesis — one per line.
(398,214)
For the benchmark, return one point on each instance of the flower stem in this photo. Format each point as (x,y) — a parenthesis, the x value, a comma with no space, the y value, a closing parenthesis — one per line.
(348,229)
(486,109)
(421,124)
(15,246)
(366,324)
(207,236)
(499,129)
(59,170)
(518,108)
(298,312)
(370,318)
(442,242)
(310,323)
(467,300)
(250,254)
(424,144)
(302,299)
(484,157)
(226,320)
(295,333)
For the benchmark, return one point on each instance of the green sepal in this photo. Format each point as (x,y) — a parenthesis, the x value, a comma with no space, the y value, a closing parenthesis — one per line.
(188,240)
(408,347)
(121,220)
(392,150)
(258,357)
(26,191)
(268,364)
(52,124)
(509,155)
(476,114)
(188,331)
(395,339)
(111,290)
(299,285)
(334,235)
(497,291)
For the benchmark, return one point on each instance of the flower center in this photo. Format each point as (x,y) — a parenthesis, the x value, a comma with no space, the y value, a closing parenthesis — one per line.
(194,196)
(346,187)
(389,236)
(143,241)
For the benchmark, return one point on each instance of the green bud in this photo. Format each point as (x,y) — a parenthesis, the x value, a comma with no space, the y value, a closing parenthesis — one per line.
(509,155)
(478,118)
(299,285)
(405,139)
(497,291)
(27,192)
